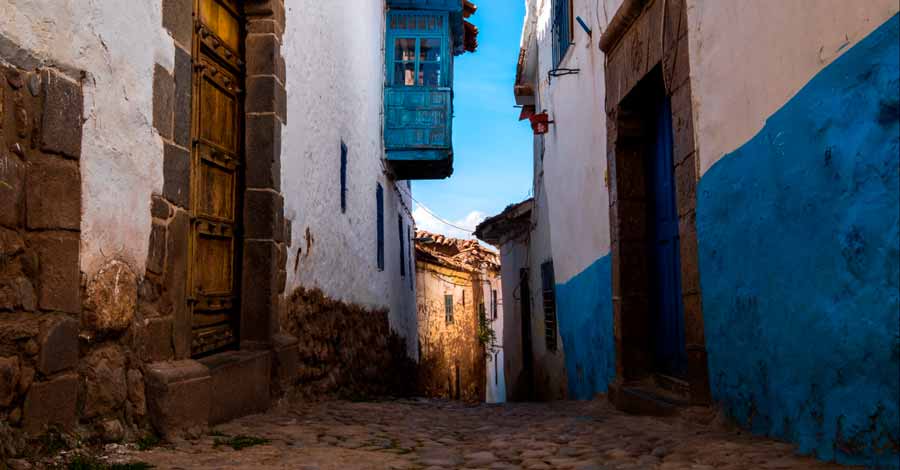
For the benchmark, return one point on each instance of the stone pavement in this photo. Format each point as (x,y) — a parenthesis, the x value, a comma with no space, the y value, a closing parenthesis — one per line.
(441,435)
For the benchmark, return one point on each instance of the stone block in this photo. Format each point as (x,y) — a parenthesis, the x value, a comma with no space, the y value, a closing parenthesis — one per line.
(263,51)
(160,208)
(177,18)
(690,272)
(686,186)
(59,278)
(111,298)
(9,379)
(176,281)
(177,175)
(12,180)
(163,101)
(153,340)
(156,254)
(136,393)
(178,396)
(285,361)
(17,293)
(106,385)
(53,194)
(62,118)
(265,94)
(58,345)
(240,380)
(258,289)
(676,65)
(264,26)
(183,92)
(263,210)
(53,402)
(682,124)
(263,154)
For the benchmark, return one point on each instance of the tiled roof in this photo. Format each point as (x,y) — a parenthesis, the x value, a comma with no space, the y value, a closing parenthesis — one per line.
(467,255)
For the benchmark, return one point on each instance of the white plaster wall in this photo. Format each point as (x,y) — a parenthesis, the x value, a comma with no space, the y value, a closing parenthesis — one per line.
(115,43)
(513,257)
(749,58)
(496,379)
(335,74)
(574,166)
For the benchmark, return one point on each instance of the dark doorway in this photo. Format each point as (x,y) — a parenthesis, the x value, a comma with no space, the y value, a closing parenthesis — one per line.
(664,253)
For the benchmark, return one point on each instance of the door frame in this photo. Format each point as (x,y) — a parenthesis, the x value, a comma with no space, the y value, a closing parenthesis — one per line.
(646,48)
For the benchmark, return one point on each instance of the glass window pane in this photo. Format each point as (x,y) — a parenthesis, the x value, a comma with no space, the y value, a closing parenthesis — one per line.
(404,73)
(405,49)
(430,74)
(430,49)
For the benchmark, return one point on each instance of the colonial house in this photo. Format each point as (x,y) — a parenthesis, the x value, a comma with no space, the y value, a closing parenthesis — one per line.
(460,316)
(715,214)
(204,204)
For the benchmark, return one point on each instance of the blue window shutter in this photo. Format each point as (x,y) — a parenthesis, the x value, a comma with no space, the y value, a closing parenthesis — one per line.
(343,177)
(402,246)
(561,29)
(379,199)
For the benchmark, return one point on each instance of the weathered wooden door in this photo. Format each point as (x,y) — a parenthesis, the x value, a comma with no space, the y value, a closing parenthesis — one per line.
(666,259)
(215,175)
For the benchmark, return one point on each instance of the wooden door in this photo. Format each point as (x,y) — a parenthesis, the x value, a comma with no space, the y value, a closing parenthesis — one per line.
(671,356)
(215,176)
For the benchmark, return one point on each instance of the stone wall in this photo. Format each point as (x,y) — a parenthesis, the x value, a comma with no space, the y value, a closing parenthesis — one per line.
(346,350)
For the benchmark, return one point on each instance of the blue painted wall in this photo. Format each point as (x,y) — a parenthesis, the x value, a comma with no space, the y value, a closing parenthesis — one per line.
(584,313)
(800,259)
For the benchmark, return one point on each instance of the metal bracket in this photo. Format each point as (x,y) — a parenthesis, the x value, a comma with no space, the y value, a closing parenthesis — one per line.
(560,73)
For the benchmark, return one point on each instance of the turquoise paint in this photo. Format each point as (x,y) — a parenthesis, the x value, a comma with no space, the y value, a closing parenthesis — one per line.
(585,315)
(800,260)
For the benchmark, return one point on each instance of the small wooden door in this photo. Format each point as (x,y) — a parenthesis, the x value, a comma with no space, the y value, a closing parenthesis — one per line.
(671,356)
(215,175)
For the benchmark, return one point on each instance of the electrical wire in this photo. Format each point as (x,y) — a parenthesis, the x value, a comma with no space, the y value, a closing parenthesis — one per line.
(439,219)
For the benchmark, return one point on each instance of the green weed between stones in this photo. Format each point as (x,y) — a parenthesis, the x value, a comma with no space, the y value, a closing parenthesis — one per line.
(148,442)
(241,442)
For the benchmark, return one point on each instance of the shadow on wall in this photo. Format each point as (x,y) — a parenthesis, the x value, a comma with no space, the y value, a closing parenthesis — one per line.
(800,258)
(585,312)
(346,351)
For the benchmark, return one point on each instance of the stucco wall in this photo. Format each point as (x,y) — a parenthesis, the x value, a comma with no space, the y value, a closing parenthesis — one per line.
(448,346)
(116,45)
(797,219)
(495,378)
(335,70)
(574,180)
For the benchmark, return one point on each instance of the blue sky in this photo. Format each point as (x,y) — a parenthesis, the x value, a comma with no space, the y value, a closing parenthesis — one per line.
(493,150)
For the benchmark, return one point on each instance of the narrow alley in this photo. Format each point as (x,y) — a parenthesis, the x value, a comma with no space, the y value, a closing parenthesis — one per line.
(444,435)
(450,234)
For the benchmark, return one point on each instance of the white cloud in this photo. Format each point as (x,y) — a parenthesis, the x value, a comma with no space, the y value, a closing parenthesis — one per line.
(426,221)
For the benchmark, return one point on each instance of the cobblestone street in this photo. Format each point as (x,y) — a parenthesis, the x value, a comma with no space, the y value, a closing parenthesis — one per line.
(434,435)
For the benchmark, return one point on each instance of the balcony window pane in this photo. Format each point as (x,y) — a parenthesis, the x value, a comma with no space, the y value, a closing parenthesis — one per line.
(430,50)
(405,49)
(430,74)
(404,73)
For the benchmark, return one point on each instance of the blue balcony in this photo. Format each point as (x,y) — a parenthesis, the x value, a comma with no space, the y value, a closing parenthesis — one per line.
(423,36)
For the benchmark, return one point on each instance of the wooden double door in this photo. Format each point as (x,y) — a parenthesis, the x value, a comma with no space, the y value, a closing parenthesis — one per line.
(216,175)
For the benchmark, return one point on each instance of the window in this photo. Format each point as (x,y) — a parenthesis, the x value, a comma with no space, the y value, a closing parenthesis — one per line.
(494,304)
(548,287)
(417,43)
(343,177)
(417,61)
(379,202)
(448,308)
(563,27)
(402,247)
